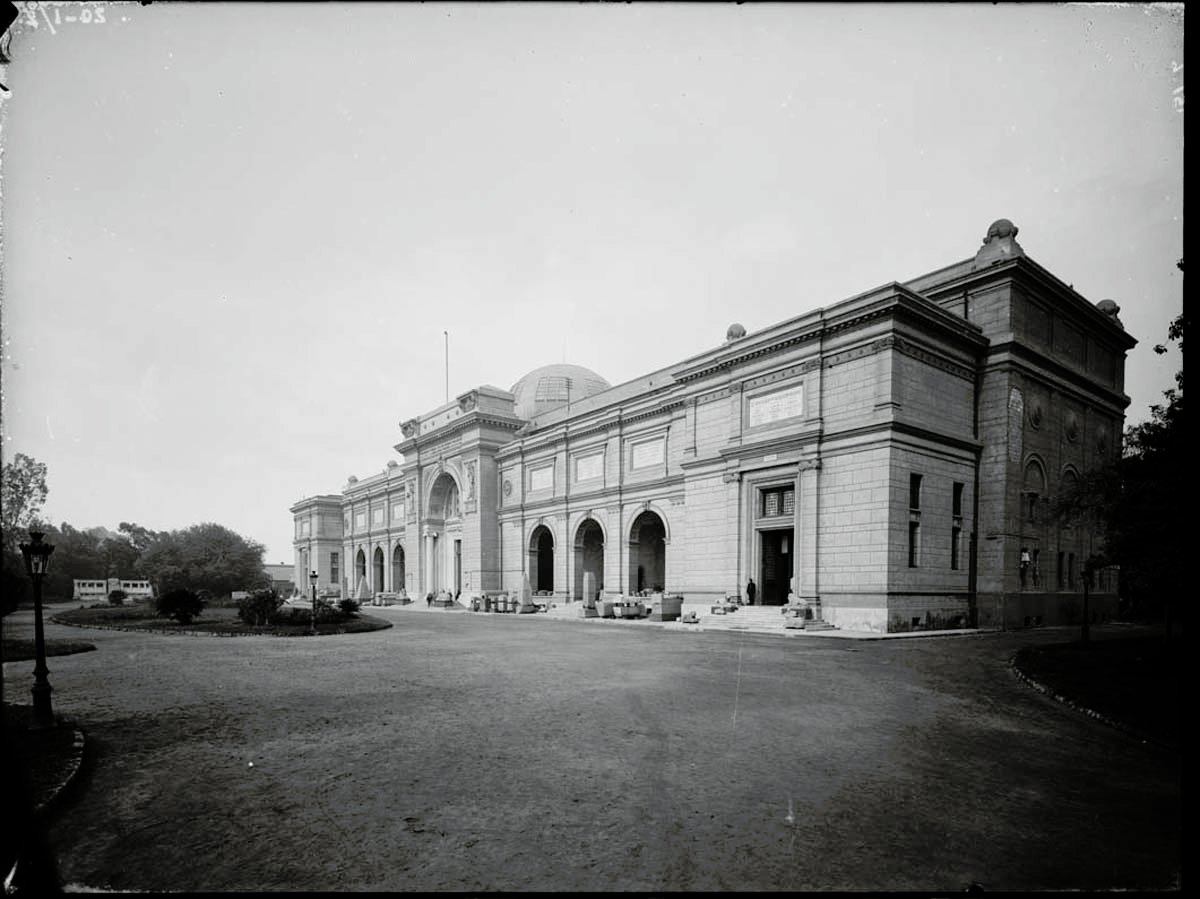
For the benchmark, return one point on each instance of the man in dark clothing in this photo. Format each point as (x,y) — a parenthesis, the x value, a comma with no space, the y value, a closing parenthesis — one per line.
(750,591)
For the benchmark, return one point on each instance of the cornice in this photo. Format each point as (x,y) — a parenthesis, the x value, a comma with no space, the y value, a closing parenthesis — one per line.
(1028,361)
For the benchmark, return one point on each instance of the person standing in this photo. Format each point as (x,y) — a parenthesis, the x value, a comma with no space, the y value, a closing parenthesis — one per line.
(751,590)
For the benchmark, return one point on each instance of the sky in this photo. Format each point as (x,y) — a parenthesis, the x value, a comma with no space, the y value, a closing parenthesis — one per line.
(237,238)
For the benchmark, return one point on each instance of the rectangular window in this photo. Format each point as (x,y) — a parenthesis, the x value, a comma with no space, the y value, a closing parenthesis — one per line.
(377,516)
(1060,579)
(914,520)
(956,526)
(914,492)
(360,519)
(778,501)
(1070,571)
(397,511)
(333,568)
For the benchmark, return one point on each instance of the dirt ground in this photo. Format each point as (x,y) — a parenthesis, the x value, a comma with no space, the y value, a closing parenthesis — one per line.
(470,753)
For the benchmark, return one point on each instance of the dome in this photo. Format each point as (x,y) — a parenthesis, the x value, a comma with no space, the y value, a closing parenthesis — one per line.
(547,388)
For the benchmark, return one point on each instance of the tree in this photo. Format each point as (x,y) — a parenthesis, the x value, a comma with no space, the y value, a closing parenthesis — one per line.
(1137,504)
(22,493)
(204,557)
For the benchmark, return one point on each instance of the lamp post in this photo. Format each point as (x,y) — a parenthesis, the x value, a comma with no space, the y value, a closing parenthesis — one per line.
(312,579)
(37,563)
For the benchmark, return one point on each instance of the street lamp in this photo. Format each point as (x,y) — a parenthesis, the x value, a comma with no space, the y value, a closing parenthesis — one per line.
(312,579)
(37,563)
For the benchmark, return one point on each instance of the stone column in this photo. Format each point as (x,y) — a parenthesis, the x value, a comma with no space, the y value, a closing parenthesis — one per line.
(804,569)
(666,567)
(429,562)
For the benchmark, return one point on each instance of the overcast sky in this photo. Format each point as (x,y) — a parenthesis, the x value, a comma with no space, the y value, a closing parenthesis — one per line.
(234,234)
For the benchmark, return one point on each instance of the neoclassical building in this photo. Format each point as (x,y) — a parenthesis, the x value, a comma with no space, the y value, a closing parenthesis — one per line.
(886,460)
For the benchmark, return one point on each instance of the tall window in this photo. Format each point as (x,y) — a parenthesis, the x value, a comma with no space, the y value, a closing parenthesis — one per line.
(1070,571)
(914,520)
(333,568)
(956,526)
(1061,583)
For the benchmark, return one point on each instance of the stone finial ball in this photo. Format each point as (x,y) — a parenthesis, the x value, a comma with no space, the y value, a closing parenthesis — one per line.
(735,331)
(1108,307)
(1002,228)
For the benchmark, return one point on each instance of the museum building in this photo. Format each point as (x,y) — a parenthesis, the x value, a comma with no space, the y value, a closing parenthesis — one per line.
(885,462)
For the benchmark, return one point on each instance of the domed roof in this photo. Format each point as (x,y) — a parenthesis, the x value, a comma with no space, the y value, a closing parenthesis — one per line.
(547,388)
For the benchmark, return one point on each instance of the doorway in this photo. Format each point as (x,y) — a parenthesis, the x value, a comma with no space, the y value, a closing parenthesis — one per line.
(776,571)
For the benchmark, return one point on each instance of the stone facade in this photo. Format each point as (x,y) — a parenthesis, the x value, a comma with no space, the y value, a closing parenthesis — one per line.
(884,462)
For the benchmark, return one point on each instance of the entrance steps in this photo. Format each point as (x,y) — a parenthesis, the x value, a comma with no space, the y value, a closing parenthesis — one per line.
(743,618)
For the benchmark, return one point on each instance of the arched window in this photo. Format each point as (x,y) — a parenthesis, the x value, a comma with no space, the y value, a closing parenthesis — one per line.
(1033,487)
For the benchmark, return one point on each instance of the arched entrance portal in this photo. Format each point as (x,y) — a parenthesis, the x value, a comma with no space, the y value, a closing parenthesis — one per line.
(647,553)
(398,584)
(541,559)
(444,548)
(360,570)
(377,584)
(589,556)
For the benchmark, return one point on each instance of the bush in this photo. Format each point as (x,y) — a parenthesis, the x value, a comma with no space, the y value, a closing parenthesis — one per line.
(117,597)
(260,607)
(182,605)
(349,607)
(326,614)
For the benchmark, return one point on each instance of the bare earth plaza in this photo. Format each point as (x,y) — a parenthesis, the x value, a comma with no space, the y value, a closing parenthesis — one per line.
(463,752)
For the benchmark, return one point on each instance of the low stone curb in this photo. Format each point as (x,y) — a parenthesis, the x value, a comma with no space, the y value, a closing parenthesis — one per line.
(1079,707)
(74,764)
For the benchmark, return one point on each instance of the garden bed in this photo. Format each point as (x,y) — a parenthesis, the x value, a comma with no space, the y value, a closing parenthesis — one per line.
(1133,682)
(217,620)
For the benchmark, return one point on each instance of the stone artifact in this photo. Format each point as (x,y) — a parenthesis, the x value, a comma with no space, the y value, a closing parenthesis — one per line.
(589,596)
(525,602)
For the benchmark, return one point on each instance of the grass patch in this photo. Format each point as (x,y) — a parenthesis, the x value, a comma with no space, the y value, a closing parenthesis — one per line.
(220,620)
(20,650)
(1134,681)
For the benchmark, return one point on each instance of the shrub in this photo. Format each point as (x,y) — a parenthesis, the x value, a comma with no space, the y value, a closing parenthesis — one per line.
(260,607)
(349,607)
(182,605)
(117,597)
(326,614)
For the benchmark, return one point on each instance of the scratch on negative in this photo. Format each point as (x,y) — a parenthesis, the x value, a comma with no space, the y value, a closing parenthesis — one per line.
(738,691)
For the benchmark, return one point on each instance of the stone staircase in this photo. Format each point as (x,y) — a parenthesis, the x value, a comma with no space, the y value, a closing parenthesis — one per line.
(758,618)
